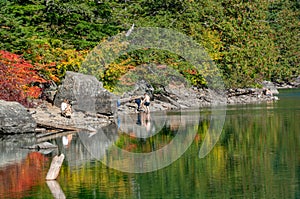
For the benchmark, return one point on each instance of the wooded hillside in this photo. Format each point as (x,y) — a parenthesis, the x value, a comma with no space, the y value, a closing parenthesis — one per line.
(250,41)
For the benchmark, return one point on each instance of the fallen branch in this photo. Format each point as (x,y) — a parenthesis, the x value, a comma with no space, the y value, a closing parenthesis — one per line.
(55,167)
(57,126)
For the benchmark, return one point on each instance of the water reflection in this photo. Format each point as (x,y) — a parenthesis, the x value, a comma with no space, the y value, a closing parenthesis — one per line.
(97,143)
(10,147)
(141,125)
(55,189)
(257,156)
(166,135)
(18,178)
(85,146)
(163,152)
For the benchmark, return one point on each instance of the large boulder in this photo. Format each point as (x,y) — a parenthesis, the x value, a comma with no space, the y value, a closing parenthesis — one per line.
(14,118)
(86,94)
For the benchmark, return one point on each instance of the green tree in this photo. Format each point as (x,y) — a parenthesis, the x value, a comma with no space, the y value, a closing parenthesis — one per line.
(250,41)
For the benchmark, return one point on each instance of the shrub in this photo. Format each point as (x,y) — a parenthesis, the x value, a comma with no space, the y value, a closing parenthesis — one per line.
(18,79)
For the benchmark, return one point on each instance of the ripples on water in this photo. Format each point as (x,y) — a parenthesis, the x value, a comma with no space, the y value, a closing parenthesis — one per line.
(257,156)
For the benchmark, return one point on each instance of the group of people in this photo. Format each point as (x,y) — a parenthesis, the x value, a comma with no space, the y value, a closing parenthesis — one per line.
(143,103)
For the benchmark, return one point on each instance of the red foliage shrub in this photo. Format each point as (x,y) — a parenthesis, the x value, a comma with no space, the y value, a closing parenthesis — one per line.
(18,79)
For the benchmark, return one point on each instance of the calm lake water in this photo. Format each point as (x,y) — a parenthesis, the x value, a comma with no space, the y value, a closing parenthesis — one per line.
(256,156)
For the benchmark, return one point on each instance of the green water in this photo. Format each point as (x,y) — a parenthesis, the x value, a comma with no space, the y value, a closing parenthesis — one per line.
(256,156)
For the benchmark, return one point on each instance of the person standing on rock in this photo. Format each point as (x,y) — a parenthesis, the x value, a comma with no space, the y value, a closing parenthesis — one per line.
(138,102)
(146,102)
(66,109)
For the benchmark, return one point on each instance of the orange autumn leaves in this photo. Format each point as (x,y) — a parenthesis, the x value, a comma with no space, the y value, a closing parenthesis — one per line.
(19,81)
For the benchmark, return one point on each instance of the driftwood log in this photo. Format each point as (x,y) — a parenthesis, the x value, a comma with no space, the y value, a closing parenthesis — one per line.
(55,167)
(53,125)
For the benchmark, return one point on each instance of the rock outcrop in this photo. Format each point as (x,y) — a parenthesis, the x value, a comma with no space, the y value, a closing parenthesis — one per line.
(249,95)
(174,96)
(178,96)
(86,94)
(14,118)
(292,83)
(139,89)
(296,82)
(50,117)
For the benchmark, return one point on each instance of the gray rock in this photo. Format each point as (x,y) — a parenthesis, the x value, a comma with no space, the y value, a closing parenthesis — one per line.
(174,95)
(49,91)
(249,95)
(14,118)
(86,94)
(241,90)
(50,95)
(106,103)
(296,82)
(139,89)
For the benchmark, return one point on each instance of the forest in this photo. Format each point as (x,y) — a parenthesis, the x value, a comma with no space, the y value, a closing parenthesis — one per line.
(249,41)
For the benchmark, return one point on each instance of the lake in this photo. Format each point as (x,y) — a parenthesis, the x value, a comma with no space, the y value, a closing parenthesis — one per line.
(257,155)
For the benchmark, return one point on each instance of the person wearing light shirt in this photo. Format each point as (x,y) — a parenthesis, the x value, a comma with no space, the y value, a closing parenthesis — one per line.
(66,109)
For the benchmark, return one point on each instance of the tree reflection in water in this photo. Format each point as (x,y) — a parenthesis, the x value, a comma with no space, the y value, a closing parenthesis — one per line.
(19,178)
(257,156)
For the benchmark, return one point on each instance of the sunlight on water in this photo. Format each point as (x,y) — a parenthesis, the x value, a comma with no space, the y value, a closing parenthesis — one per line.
(257,156)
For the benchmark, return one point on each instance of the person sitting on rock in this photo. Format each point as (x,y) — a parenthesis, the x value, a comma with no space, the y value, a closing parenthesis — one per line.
(268,92)
(66,109)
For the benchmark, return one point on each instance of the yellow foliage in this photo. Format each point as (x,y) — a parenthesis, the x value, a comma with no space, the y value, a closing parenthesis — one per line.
(71,60)
(211,41)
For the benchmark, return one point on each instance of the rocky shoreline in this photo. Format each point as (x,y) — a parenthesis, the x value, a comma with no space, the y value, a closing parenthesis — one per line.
(95,107)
